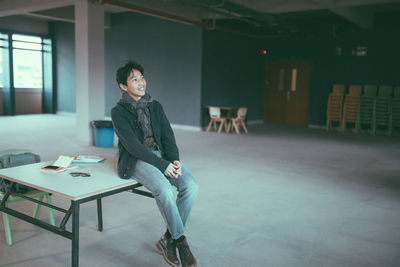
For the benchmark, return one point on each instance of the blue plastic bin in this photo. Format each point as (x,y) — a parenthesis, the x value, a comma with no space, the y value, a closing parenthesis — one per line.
(103,133)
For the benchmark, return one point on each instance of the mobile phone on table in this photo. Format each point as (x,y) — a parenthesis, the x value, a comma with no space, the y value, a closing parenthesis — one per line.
(53,168)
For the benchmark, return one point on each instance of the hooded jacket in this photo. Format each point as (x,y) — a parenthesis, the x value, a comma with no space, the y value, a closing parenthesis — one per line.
(131,138)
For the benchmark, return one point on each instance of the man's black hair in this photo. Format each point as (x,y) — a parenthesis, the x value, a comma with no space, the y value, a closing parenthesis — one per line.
(123,72)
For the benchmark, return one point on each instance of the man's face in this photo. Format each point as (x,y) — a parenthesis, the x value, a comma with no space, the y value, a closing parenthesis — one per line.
(135,85)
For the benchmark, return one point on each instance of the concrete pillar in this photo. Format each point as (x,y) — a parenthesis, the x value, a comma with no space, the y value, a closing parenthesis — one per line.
(89,65)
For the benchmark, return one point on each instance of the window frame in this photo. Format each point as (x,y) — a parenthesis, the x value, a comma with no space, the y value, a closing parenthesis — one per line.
(48,88)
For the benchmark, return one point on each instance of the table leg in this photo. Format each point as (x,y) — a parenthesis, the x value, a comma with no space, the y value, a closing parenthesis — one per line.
(99,215)
(75,234)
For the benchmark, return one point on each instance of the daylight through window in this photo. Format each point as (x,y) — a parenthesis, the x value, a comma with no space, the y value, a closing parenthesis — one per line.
(27,61)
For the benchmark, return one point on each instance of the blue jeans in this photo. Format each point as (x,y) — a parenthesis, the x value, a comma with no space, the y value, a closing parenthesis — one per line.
(175,211)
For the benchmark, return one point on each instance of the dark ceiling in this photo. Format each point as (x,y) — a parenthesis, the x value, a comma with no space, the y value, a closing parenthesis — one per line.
(266,18)
(255,18)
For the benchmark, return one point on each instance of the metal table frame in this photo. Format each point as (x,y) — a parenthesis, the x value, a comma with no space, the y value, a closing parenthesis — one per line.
(73,211)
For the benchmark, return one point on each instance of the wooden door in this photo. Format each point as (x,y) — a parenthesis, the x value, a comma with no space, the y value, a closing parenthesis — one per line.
(287,92)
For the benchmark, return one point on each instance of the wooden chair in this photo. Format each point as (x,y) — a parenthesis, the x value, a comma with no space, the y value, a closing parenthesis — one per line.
(215,118)
(350,107)
(239,120)
(334,110)
(338,89)
(350,111)
(33,194)
(355,90)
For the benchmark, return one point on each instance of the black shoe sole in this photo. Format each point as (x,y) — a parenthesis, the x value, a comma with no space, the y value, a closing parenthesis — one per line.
(161,249)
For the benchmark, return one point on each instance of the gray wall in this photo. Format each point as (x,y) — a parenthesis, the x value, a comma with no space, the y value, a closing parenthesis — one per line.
(169,52)
(24,24)
(64,40)
(171,56)
(233,72)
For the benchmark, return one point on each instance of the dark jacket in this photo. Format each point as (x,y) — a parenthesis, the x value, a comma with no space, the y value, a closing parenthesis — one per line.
(131,137)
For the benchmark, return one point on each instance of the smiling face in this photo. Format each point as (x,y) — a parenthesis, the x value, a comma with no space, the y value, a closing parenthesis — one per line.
(135,85)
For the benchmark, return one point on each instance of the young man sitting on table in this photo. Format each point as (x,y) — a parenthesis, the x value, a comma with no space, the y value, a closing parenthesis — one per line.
(149,154)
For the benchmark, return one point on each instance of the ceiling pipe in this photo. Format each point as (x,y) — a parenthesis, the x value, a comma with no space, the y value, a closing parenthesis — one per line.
(234,11)
(238,12)
(164,15)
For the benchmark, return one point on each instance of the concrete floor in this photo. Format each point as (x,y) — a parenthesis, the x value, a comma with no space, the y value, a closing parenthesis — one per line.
(279,196)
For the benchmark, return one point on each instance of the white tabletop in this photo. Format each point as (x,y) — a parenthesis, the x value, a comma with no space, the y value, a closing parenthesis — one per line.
(104,178)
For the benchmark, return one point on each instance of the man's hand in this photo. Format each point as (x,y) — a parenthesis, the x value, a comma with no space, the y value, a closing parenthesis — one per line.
(174,169)
(171,171)
(178,167)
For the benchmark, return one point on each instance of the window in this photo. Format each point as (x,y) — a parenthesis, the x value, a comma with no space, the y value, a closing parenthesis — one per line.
(3,57)
(26,74)
(27,59)
(294,80)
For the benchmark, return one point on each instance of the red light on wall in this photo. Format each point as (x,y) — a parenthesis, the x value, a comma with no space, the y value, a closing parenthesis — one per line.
(264,52)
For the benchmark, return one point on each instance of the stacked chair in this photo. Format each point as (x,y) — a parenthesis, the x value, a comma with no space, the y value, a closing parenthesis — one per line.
(395,111)
(335,106)
(370,108)
(350,107)
(382,114)
(366,108)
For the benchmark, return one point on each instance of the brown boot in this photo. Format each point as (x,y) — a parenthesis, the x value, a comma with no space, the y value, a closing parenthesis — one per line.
(167,247)
(185,254)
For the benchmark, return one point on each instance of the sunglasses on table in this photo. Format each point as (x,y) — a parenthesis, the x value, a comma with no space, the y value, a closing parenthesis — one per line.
(79,174)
